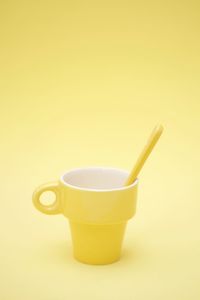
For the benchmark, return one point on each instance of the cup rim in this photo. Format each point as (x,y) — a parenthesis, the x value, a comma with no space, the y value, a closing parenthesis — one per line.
(93,189)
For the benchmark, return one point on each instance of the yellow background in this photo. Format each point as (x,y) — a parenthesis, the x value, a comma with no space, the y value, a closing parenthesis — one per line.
(83,83)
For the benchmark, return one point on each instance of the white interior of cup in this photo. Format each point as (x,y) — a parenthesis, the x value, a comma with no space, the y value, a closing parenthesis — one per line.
(95,178)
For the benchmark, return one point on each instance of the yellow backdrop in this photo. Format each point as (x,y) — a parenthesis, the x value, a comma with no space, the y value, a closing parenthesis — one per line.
(83,83)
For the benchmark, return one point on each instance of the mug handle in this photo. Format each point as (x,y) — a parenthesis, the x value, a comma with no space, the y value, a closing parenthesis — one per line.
(51,209)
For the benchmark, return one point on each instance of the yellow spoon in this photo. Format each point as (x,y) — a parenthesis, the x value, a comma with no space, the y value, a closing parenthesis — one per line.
(144,154)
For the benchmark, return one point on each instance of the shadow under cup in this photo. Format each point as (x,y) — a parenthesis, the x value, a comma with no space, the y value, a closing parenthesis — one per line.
(98,207)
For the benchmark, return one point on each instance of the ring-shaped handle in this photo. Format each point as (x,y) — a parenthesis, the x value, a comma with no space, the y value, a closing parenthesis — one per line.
(51,209)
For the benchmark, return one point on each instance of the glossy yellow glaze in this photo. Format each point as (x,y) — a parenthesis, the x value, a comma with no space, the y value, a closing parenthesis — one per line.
(97,218)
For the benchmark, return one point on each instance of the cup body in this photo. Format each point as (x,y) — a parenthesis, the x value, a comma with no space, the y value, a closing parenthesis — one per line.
(98,207)
(97,243)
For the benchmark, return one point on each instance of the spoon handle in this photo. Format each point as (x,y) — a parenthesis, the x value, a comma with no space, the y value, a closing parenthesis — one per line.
(154,137)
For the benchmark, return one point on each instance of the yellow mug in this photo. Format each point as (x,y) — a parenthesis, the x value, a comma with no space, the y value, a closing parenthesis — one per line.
(98,207)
